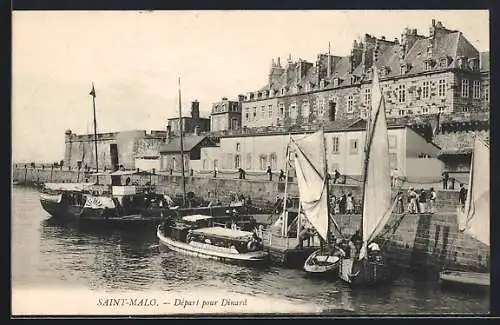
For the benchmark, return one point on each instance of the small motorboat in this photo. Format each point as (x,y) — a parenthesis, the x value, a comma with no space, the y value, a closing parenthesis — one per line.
(195,235)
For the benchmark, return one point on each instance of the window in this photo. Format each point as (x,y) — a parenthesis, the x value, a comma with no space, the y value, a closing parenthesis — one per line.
(205,164)
(282,109)
(272,160)
(335,144)
(393,141)
(263,111)
(216,163)
(236,161)
(353,147)
(270,111)
(368,96)
(238,147)
(442,88)
(305,108)
(427,65)
(249,161)
(321,106)
(308,87)
(425,110)
(349,103)
(299,110)
(465,109)
(234,124)
(441,109)
(487,94)
(425,89)
(393,160)
(465,88)
(293,110)
(476,90)
(263,162)
(444,62)
(401,93)
(401,112)
(174,164)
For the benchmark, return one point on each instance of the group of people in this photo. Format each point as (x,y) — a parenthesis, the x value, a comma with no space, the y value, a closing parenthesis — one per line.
(342,204)
(419,201)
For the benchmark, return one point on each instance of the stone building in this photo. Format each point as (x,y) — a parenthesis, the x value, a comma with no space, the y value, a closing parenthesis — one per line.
(410,152)
(189,123)
(113,149)
(226,115)
(419,75)
(170,152)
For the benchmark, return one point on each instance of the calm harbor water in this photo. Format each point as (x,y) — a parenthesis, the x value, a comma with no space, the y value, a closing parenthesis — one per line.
(49,255)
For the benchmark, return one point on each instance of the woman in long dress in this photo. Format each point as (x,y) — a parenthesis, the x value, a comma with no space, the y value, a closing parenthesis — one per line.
(350,204)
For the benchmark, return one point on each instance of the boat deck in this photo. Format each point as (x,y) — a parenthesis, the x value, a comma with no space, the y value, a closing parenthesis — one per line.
(284,251)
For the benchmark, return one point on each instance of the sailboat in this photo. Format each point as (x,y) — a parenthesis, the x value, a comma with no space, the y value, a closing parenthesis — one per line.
(312,178)
(366,264)
(474,219)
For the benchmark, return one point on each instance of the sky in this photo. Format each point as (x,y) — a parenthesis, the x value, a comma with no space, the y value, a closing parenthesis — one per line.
(135,59)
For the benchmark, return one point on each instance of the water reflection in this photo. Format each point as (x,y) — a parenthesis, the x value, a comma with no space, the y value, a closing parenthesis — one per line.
(48,253)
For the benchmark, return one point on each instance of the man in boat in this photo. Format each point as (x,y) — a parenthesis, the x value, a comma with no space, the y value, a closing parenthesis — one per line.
(305,234)
(374,253)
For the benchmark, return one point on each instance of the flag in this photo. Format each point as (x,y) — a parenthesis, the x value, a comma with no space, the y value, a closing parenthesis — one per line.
(92,92)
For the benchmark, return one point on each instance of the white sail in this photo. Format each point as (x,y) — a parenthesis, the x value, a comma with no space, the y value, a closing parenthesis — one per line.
(310,165)
(475,218)
(377,190)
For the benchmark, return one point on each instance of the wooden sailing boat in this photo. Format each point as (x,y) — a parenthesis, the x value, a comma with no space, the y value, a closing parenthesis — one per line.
(474,219)
(366,264)
(312,178)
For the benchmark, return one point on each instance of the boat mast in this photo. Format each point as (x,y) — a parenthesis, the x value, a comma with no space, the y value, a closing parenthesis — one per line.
(182,147)
(366,155)
(327,188)
(285,195)
(92,93)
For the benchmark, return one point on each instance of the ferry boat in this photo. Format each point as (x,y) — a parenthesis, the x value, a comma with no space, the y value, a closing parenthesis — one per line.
(195,235)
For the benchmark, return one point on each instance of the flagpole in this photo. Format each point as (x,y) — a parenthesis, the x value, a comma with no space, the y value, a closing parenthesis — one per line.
(92,93)
(182,148)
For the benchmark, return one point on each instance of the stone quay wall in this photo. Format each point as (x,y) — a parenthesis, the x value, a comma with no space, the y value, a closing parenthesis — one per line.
(426,242)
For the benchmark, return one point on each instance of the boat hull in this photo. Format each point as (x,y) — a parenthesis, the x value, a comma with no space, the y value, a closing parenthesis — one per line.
(465,279)
(364,272)
(324,269)
(60,210)
(252,258)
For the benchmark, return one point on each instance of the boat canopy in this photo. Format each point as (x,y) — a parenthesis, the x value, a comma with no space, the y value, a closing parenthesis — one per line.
(75,187)
(130,172)
(196,217)
(224,233)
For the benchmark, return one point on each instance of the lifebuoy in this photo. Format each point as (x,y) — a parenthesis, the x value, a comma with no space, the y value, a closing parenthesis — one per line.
(252,245)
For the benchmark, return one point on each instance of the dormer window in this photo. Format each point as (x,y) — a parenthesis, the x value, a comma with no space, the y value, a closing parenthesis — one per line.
(259,95)
(336,82)
(429,51)
(283,91)
(267,93)
(473,63)
(427,65)
(405,68)
(308,87)
(251,96)
(444,62)
(385,71)
(322,83)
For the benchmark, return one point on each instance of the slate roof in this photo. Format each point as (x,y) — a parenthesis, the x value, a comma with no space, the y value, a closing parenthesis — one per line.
(189,142)
(445,43)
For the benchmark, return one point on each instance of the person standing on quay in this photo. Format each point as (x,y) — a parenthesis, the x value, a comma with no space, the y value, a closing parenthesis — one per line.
(445,178)
(282,175)
(269,172)
(422,200)
(336,176)
(462,196)
(349,204)
(432,200)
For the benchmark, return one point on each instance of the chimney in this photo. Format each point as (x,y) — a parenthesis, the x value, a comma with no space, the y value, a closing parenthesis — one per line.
(195,110)
(279,63)
(169,134)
